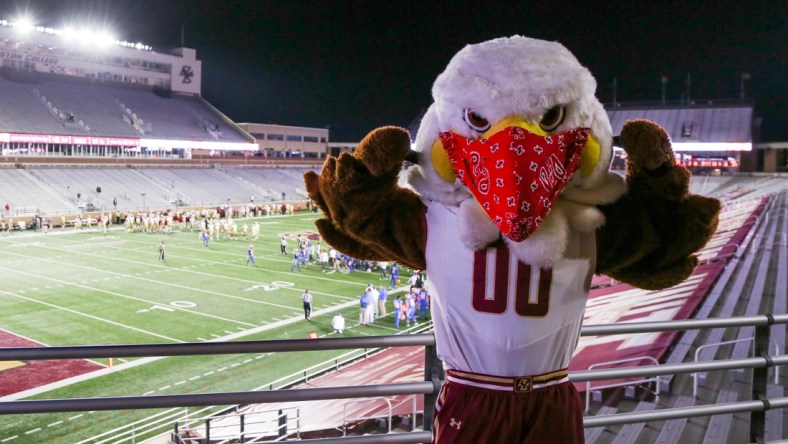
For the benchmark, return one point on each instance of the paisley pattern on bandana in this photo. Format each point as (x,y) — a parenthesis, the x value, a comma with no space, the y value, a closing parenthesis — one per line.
(516,175)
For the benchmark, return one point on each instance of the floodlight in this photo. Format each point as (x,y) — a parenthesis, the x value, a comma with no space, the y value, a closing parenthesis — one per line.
(103,39)
(68,33)
(24,24)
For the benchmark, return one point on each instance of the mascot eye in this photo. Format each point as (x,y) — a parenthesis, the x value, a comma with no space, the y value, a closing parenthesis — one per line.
(552,118)
(475,121)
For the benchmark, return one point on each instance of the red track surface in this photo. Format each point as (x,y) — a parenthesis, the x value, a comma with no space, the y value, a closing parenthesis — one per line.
(33,374)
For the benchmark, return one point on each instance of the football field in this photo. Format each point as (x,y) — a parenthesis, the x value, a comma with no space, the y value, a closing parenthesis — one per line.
(84,288)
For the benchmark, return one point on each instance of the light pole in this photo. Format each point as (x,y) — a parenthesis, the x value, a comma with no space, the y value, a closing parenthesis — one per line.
(744,77)
(144,207)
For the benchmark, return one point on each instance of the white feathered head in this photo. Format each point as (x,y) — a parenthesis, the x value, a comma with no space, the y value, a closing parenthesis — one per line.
(516,82)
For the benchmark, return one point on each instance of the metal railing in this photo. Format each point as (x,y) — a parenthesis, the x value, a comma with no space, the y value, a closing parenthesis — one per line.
(590,389)
(757,407)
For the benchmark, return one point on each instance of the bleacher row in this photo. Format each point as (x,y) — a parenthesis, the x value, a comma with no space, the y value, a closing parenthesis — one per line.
(752,281)
(54,191)
(109,110)
(699,124)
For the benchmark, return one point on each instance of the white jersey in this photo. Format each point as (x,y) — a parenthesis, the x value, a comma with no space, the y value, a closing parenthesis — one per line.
(497,316)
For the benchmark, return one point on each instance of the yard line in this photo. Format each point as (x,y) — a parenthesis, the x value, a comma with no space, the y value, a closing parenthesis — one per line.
(138,277)
(114,293)
(210,262)
(143,361)
(7,293)
(23,337)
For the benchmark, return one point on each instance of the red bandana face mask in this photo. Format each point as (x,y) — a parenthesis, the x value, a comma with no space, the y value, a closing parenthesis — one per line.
(516,175)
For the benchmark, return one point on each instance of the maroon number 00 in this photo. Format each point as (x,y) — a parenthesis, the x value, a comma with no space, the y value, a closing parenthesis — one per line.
(498,301)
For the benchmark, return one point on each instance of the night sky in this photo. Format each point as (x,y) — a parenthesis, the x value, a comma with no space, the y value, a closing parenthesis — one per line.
(356,65)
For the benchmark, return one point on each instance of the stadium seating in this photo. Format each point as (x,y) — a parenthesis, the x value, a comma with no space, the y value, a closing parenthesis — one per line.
(107,109)
(27,195)
(23,112)
(53,190)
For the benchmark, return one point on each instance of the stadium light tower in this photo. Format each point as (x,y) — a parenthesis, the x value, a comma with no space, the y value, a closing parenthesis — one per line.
(24,25)
(744,77)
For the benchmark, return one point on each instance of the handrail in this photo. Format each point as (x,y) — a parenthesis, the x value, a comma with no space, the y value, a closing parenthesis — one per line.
(423,387)
(589,389)
(270,396)
(682,412)
(211,348)
(345,419)
(218,348)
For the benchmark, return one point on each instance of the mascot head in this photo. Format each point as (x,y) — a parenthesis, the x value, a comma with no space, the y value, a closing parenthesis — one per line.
(514,133)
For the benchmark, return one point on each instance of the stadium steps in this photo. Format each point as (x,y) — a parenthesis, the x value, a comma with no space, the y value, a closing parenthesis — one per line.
(88,103)
(591,435)
(732,295)
(629,433)
(720,425)
(27,195)
(671,430)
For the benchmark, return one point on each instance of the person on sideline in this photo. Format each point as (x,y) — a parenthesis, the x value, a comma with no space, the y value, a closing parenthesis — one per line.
(306,298)
(338,323)
(382,301)
(250,255)
(363,301)
(161,251)
(397,311)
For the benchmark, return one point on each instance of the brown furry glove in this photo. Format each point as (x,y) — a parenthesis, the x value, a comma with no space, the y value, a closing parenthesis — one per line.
(652,232)
(367,216)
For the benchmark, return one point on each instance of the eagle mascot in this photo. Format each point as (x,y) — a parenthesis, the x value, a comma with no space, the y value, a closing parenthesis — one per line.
(511,209)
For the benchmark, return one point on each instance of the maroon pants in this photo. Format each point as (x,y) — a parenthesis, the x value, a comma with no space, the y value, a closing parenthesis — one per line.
(472,415)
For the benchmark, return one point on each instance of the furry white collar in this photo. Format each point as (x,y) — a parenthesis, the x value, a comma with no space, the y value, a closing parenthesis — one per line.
(575,210)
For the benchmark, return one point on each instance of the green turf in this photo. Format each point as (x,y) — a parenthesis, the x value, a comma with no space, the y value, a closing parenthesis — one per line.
(79,288)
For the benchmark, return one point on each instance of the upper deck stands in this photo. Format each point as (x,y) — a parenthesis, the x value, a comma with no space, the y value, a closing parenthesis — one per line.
(111,111)
(697,124)
(20,111)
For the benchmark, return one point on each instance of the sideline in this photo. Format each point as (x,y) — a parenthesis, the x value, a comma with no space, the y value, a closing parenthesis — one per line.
(136,363)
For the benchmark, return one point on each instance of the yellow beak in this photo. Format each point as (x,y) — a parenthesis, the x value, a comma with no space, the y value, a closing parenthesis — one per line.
(440,160)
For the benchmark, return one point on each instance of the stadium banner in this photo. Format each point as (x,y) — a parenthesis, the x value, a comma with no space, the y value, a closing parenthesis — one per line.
(26,57)
(68,140)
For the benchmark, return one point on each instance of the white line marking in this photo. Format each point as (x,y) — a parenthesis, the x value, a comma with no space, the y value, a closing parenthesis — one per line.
(130,297)
(90,316)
